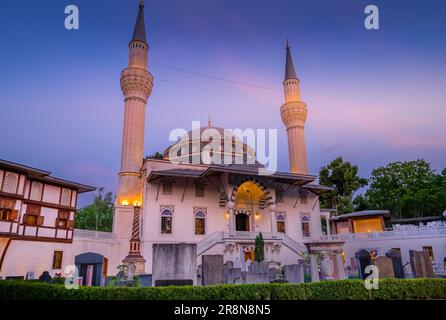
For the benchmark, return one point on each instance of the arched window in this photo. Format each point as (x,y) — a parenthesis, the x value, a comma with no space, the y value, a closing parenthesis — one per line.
(200,222)
(280,221)
(305,221)
(166,221)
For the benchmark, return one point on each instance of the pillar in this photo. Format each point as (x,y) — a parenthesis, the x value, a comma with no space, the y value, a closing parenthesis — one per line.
(314,267)
(231,218)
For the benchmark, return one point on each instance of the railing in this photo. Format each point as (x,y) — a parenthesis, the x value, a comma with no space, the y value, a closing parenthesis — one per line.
(393,234)
(209,242)
(221,237)
(251,235)
(81,234)
(293,245)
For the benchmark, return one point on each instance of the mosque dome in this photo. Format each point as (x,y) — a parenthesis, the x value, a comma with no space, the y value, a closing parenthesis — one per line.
(210,145)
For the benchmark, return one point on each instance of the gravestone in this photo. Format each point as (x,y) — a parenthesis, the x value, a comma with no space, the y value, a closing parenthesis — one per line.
(294,273)
(327,268)
(258,273)
(233,276)
(397,263)
(259,267)
(252,278)
(145,280)
(45,277)
(421,264)
(274,274)
(385,267)
(212,269)
(364,260)
(174,261)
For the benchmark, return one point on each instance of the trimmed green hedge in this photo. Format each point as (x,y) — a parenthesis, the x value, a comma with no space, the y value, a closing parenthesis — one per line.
(324,290)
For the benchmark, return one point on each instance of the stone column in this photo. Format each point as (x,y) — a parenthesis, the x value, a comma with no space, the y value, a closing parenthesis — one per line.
(272,209)
(134,255)
(340,266)
(327,219)
(314,268)
(230,205)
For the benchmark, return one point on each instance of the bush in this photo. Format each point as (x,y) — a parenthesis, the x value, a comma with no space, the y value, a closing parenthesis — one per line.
(324,290)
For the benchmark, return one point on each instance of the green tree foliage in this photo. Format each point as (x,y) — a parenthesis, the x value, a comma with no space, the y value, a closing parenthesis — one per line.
(343,176)
(259,248)
(156,155)
(98,215)
(408,189)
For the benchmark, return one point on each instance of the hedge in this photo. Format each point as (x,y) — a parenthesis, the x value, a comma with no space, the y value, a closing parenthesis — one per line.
(324,290)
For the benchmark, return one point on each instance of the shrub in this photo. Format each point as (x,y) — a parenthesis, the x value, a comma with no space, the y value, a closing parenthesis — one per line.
(324,290)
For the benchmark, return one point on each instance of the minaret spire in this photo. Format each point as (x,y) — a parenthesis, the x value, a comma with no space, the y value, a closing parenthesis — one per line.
(139,33)
(294,115)
(290,72)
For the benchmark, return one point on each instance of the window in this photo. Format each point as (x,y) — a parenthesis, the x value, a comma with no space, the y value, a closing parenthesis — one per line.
(166,221)
(430,251)
(62,223)
(167,185)
(36,191)
(4,214)
(65,197)
(31,219)
(280,221)
(32,216)
(199,188)
(57,259)
(200,222)
(11,182)
(305,220)
(62,220)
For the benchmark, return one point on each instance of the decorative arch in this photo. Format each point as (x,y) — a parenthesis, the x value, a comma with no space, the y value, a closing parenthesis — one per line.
(268,197)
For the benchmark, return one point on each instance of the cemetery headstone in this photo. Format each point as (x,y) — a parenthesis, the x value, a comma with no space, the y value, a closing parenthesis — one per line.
(397,263)
(212,269)
(363,257)
(385,267)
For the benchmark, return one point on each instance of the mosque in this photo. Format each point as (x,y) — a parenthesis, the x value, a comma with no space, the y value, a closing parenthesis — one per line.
(219,200)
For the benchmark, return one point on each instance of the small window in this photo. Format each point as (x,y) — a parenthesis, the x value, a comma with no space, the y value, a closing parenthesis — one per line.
(200,223)
(166,221)
(430,251)
(4,214)
(280,220)
(305,220)
(199,188)
(57,259)
(31,219)
(62,223)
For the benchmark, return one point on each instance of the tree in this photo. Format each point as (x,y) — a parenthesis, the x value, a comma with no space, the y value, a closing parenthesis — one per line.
(156,155)
(259,248)
(408,189)
(343,176)
(98,215)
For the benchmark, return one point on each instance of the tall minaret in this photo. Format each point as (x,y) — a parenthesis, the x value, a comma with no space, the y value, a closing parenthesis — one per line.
(294,114)
(136,84)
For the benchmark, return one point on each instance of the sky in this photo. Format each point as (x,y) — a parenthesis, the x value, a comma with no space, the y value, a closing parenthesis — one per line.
(373,96)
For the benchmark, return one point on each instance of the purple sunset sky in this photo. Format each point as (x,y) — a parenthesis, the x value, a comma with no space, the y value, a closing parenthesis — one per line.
(373,96)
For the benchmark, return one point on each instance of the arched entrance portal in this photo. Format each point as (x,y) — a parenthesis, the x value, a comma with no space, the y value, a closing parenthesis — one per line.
(249,200)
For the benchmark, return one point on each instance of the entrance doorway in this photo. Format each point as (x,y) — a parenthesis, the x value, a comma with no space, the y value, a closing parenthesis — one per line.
(242,222)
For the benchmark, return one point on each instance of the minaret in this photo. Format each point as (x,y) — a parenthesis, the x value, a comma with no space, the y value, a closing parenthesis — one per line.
(294,114)
(136,85)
